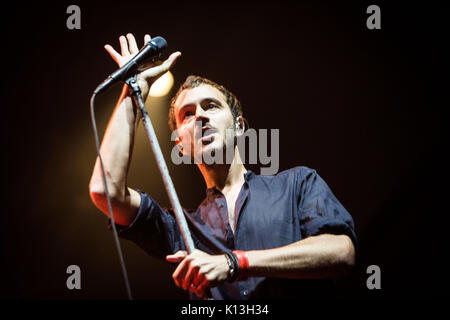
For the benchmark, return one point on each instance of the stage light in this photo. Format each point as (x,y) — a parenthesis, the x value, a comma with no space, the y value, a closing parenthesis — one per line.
(162,86)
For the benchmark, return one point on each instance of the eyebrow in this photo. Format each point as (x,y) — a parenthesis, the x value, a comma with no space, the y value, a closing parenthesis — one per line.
(201,102)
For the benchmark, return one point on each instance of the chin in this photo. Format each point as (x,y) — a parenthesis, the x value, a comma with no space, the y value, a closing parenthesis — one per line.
(213,146)
(210,150)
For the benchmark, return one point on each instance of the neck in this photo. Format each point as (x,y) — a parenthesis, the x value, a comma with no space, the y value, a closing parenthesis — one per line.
(224,176)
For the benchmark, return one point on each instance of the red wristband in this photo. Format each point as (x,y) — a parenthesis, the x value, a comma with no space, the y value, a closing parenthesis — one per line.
(243,264)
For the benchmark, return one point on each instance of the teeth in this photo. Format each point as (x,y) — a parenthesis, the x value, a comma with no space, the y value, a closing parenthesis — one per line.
(207,140)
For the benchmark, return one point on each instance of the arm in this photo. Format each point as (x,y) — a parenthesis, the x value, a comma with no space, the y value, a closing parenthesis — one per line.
(117,145)
(321,256)
(116,150)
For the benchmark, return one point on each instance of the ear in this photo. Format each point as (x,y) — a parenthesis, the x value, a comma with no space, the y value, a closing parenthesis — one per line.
(179,145)
(240,126)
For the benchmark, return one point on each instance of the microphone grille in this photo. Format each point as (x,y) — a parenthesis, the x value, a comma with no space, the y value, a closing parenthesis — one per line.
(159,42)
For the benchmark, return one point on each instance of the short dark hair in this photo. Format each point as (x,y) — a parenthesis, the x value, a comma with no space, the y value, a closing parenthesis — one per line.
(193,81)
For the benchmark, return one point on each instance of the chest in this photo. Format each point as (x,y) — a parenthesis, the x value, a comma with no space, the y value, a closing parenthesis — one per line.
(231,198)
(261,217)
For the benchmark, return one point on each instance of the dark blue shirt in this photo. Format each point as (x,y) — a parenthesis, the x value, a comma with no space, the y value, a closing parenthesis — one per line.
(270,212)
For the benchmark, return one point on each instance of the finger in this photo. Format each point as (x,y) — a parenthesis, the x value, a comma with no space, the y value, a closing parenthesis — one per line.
(190,277)
(132,44)
(147,38)
(202,288)
(180,272)
(113,53)
(162,68)
(170,61)
(178,256)
(124,46)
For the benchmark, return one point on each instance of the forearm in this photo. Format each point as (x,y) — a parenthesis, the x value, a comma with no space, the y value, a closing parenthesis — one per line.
(116,149)
(314,257)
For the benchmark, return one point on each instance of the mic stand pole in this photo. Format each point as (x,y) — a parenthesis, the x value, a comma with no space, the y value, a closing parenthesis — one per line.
(179,215)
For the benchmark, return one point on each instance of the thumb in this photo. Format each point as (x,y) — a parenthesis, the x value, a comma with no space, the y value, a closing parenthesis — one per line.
(170,61)
(178,256)
(159,70)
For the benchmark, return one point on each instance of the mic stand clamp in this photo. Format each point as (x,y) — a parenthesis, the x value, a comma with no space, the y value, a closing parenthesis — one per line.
(133,84)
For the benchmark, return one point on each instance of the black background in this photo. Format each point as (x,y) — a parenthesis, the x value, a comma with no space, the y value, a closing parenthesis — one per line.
(365,108)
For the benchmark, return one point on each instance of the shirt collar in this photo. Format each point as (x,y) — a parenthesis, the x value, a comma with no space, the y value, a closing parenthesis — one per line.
(247,176)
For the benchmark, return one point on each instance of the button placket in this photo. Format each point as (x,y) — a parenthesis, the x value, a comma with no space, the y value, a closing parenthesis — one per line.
(223,209)
(240,207)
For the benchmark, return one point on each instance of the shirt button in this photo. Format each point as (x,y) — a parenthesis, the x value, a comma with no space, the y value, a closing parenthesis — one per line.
(245,292)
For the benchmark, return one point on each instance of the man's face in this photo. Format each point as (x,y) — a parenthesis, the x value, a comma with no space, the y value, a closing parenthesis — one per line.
(203,117)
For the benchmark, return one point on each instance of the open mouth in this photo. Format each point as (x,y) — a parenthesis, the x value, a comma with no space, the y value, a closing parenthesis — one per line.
(209,137)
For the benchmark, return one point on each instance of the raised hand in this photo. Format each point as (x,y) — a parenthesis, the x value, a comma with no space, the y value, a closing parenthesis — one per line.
(151,71)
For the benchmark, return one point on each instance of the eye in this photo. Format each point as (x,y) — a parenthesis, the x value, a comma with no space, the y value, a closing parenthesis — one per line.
(187,114)
(211,106)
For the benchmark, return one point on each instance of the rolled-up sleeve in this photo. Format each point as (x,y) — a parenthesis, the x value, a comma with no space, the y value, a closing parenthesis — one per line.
(154,229)
(319,210)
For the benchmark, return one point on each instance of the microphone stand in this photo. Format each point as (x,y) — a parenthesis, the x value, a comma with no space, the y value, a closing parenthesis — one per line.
(179,215)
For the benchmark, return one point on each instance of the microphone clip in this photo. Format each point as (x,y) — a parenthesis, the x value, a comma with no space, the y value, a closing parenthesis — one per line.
(133,85)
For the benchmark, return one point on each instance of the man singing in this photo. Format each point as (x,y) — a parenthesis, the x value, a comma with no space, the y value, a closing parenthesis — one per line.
(256,236)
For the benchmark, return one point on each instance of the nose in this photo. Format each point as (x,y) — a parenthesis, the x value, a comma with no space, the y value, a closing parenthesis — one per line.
(201,115)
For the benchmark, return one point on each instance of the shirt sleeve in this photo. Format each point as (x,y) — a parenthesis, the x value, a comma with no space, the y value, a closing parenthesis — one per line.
(154,229)
(320,212)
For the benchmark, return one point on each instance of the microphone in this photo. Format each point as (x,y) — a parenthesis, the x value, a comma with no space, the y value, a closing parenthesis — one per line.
(152,49)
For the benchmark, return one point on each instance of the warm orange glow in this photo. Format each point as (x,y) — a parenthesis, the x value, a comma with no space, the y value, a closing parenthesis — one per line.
(162,86)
